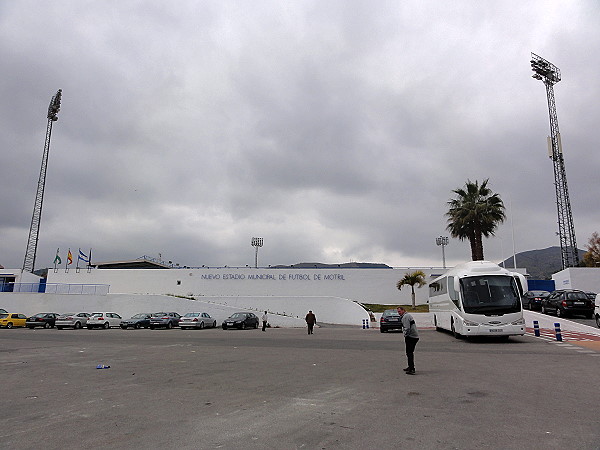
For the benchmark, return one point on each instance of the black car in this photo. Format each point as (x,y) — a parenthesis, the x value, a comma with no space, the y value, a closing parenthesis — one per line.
(164,320)
(45,320)
(390,320)
(532,300)
(566,302)
(241,320)
(137,321)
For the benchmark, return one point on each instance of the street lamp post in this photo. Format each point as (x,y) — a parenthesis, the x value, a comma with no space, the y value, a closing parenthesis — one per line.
(443,241)
(256,242)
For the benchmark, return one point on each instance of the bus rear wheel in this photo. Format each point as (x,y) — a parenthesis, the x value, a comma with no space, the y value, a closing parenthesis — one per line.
(436,324)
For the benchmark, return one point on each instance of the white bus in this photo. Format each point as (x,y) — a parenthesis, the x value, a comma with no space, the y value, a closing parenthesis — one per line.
(478,298)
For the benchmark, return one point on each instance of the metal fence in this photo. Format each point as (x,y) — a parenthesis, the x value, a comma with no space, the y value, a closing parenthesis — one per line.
(56,288)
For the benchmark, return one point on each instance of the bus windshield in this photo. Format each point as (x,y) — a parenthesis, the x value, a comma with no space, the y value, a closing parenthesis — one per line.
(490,295)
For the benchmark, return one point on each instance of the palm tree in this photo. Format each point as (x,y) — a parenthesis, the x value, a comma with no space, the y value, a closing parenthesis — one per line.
(410,279)
(475,212)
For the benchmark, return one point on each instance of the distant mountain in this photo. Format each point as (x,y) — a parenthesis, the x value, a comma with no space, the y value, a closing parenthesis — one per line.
(350,265)
(540,264)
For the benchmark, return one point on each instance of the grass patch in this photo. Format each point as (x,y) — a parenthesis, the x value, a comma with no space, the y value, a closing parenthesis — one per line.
(375,307)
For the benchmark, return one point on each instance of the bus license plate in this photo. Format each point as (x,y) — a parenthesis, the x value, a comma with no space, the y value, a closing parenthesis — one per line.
(496,330)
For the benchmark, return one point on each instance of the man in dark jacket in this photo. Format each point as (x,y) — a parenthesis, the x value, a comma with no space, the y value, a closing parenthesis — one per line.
(311,319)
(411,337)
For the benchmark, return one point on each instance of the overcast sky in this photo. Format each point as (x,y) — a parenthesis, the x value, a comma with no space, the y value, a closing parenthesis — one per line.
(335,130)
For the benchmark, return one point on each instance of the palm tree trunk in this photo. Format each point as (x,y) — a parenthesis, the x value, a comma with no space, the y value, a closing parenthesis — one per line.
(414,303)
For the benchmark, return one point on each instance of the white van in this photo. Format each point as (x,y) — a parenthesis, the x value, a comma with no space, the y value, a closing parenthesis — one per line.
(597,310)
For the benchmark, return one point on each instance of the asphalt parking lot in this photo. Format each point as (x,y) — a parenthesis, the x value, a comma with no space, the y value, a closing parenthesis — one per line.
(342,387)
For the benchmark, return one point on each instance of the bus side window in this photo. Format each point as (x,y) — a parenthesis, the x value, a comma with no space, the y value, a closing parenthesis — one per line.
(452,292)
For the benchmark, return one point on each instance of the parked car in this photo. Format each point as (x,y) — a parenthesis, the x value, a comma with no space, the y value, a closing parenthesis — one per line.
(567,302)
(532,300)
(137,321)
(597,311)
(591,295)
(45,320)
(72,320)
(390,320)
(9,320)
(241,320)
(197,320)
(103,320)
(164,320)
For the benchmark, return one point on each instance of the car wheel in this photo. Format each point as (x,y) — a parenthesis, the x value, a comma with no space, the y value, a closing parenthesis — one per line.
(215,324)
(201,325)
(137,326)
(77,325)
(152,327)
(559,313)
(598,320)
(529,307)
(589,315)
(9,325)
(224,327)
(123,327)
(382,330)
(106,325)
(46,325)
(544,310)
(243,325)
(59,328)
(169,325)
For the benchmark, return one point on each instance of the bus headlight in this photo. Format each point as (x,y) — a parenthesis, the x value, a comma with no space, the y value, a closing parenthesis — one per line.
(521,321)
(470,324)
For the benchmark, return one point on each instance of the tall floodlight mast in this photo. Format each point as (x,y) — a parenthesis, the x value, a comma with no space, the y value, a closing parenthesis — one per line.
(29,261)
(549,74)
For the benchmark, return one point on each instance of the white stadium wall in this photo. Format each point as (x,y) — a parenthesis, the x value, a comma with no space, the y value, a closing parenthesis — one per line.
(360,285)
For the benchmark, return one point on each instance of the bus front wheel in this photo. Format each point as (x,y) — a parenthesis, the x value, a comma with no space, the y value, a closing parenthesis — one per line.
(454,333)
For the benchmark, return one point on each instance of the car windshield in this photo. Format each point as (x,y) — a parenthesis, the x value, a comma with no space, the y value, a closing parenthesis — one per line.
(139,316)
(576,296)
(67,314)
(238,316)
(490,295)
(192,315)
(391,312)
(539,293)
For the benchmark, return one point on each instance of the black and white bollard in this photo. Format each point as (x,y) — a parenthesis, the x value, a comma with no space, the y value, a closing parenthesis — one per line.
(557,331)
(536,328)
(364,326)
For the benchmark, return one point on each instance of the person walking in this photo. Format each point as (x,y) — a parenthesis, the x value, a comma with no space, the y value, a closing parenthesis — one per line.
(311,319)
(265,319)
(411,337)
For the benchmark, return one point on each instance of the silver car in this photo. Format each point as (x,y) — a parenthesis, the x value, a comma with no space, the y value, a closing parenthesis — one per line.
(197,320)
(72,320)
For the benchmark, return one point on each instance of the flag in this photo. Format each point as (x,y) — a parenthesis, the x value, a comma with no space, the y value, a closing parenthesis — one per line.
(69,258)
(57,259)
(83,257)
